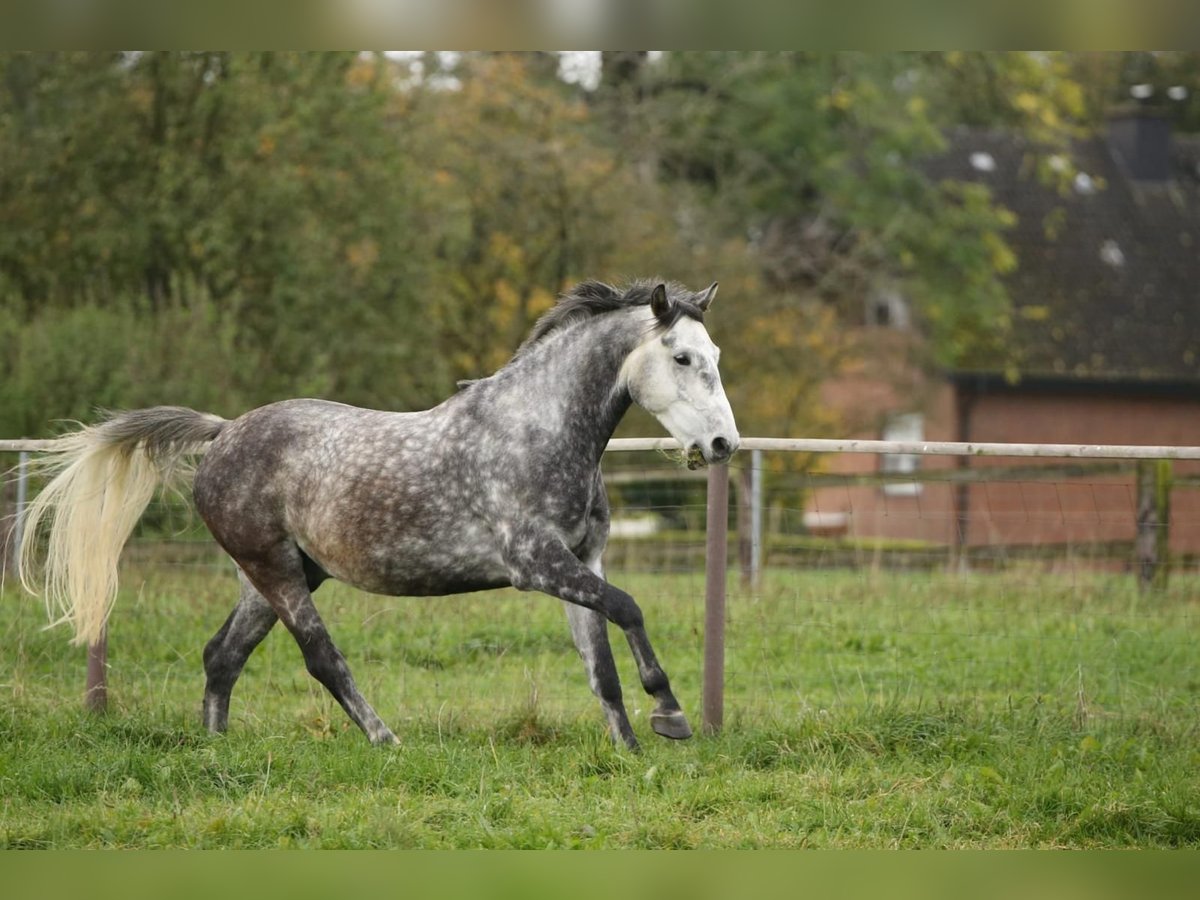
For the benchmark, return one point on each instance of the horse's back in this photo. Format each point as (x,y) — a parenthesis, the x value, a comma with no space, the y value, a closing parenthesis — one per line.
(375,498)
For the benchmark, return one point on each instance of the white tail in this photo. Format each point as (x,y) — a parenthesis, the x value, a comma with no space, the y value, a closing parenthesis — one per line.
(102,479)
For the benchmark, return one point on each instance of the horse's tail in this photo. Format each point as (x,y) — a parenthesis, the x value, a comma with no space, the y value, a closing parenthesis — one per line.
(102,478)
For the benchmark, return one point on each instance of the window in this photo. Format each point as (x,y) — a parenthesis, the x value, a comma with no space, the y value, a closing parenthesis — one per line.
(887,309)
(904,427)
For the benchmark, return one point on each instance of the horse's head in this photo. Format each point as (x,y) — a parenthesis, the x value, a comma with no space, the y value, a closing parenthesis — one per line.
(673,375)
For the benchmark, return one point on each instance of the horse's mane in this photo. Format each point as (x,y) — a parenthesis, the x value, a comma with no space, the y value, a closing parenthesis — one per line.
(593,298)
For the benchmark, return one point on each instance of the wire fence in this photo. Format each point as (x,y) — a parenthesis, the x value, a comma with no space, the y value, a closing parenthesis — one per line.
(965,576)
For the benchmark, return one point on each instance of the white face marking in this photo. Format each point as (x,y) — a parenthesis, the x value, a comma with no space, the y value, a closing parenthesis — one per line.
(674,377)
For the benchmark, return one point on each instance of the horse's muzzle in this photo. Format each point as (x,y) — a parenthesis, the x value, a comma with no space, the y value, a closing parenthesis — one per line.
(720,449)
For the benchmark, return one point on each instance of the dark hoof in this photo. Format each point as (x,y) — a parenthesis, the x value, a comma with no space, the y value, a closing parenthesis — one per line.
(672,724)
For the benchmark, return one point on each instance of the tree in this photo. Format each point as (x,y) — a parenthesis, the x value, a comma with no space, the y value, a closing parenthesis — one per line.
(528,202)
(266,199)
(819,158)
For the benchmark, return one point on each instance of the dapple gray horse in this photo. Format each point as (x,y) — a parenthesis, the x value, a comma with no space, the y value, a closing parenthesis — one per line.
(499,485)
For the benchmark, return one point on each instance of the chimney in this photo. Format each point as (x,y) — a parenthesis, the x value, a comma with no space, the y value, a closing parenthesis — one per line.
(1140,138)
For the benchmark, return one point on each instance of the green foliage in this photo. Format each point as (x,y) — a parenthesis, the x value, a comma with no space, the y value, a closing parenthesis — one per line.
(228,228)
(66,363)
(529,200)
(247,218)
(824,155)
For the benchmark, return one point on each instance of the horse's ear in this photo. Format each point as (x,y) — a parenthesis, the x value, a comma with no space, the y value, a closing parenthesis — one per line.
(659,304)
(706,298)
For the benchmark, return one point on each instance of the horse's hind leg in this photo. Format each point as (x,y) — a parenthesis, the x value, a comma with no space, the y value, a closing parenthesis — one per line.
(590,631)
(280,576)
(226,654)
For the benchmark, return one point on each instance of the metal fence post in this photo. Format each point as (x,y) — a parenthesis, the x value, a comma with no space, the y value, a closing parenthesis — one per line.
(18,530)
(756,518)
(716,552)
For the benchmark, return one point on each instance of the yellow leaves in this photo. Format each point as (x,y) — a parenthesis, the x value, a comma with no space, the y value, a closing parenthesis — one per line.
(1047,109)
(916,106)
(1049,117)
(508,302)
(1035,313)
(840,99)
(1000,255)
(503,249)
(465,364)
(790,347)
(1027,102)
(266,145)
(361,73)
(540,301)
(1071,99)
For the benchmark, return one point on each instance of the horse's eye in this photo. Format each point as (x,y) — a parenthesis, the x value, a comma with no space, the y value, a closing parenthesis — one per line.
(683,359)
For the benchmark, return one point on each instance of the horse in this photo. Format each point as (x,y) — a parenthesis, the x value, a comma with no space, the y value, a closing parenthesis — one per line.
(498,485)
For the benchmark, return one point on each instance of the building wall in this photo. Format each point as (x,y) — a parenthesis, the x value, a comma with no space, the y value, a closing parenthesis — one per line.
(1087,509)
(868,511)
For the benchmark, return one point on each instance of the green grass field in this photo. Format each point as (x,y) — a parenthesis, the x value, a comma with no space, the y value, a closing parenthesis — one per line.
(1015,709)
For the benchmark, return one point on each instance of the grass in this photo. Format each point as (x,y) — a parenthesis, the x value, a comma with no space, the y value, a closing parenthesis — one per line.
(1021,709)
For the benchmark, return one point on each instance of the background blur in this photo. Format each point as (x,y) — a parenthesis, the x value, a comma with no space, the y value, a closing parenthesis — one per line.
(225,229)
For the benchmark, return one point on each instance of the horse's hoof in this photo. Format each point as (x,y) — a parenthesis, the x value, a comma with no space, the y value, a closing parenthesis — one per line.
(671,724)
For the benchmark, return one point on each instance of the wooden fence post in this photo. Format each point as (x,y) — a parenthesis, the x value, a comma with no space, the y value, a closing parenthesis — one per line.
(715,560)
(1152,543)
(95,693)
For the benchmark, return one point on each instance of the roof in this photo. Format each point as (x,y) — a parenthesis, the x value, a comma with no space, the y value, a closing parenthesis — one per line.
(1107,285)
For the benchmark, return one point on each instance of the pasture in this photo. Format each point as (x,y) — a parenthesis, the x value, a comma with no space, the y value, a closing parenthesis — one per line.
(864,709)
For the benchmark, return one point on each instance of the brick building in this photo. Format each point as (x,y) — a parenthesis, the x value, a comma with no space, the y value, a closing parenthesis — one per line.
(1107,346)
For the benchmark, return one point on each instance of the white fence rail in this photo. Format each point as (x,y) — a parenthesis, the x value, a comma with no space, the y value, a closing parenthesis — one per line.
(930,448)
(825,445)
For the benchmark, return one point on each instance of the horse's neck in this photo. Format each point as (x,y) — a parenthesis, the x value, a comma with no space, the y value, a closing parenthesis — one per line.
(571,390)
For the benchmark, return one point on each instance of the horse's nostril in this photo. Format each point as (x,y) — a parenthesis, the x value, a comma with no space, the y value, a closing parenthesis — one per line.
(720,448)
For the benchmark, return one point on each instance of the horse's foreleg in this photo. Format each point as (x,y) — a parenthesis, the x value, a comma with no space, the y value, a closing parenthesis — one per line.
(280,578)
(226,654)
(543,563)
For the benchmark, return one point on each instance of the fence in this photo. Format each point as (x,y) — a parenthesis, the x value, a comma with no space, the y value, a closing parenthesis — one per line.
(955,518)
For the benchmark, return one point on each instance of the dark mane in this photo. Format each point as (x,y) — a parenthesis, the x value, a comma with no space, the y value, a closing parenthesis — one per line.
(593,298)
